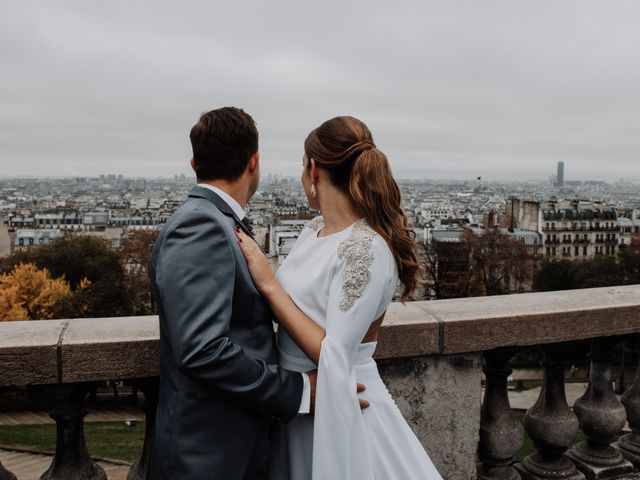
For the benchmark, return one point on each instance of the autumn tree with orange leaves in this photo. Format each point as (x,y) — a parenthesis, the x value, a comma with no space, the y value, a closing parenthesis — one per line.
(29,293)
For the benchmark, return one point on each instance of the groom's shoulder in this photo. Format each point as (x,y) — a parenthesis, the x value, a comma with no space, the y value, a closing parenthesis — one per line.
(192,212)
(195,206)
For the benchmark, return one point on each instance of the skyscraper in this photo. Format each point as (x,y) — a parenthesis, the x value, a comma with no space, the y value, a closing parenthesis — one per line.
(560,175)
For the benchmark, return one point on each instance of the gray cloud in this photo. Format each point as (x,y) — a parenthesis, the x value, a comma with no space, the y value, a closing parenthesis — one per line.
(451,88)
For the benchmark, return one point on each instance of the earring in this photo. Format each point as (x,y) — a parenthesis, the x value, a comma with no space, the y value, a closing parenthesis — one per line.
(314,192)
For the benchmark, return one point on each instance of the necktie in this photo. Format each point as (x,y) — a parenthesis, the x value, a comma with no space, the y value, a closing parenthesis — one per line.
(245,221)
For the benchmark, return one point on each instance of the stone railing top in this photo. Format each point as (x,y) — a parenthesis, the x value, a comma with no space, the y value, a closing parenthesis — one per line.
(485,323)
(64,351)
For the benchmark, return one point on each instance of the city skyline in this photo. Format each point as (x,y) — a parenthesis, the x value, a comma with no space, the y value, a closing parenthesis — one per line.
(543,177)
(502,90)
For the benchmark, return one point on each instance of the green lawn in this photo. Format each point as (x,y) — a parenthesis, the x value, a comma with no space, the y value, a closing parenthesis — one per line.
(105,439)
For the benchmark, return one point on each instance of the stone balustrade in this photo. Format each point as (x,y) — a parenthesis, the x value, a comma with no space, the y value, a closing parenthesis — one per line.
(432,356)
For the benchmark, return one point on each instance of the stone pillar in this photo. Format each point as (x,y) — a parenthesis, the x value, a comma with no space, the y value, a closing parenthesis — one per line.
(71,458)
(629,444)
(149,386)
(501,434)
(439,396)
(6,474)
(551,424)
(601,417)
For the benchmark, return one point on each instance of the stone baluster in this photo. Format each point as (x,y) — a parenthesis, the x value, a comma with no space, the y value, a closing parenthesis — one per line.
(6,474)
(601,417)
(149,386)
(501,434)
(71,458)
(551,424)
(629,444)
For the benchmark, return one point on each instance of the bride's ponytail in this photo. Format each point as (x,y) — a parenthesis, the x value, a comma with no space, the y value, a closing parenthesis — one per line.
(345,147)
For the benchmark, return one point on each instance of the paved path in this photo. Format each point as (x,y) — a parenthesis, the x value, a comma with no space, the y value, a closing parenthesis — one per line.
(29,466)
(525,399)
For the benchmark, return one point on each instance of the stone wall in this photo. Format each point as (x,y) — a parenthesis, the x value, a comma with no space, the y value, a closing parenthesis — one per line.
(440,398)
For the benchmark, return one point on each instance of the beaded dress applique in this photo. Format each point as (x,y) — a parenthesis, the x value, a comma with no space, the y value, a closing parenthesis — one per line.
(315,224)
(357,251)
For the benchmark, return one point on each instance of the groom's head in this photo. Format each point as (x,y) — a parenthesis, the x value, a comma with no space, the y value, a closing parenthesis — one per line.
(225,147)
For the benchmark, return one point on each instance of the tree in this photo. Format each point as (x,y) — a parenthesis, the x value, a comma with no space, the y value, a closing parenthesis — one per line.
(134,255)
(629,259)
(447,269)
(489,263)
(555,275)
(599,271)
(78,258)
(28,293)
(498,262)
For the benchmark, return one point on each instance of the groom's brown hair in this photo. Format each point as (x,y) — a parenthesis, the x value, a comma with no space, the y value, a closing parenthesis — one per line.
(223,141)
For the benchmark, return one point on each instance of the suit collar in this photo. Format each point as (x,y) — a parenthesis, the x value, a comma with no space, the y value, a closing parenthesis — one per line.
(201,192)
(228,199)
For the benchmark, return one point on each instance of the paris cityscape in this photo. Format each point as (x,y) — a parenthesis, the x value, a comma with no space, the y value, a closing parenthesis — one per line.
(593,217)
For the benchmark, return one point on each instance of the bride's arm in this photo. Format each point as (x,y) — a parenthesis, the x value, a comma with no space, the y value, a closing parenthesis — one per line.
(304,331)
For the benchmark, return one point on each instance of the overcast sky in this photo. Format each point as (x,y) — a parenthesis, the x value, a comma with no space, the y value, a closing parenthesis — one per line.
(450,89)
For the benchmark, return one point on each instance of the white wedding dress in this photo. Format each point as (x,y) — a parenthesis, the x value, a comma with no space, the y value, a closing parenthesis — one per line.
(344,282)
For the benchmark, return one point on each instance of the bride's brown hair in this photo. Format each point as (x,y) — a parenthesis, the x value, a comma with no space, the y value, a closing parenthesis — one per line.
(344,147)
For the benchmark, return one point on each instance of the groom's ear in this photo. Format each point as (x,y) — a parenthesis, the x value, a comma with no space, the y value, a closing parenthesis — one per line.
(254,162)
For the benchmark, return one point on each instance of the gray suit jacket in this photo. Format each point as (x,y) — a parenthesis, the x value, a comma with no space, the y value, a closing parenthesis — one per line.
(220,385)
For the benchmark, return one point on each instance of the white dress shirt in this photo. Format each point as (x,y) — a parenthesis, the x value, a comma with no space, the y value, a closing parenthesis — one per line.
(305,402)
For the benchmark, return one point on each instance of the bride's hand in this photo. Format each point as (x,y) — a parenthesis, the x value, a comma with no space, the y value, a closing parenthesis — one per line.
(257,262)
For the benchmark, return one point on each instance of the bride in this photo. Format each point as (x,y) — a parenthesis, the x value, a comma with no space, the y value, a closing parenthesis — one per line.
(330,296)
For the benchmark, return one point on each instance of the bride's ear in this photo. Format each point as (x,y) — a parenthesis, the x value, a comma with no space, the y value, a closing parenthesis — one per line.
(314,170)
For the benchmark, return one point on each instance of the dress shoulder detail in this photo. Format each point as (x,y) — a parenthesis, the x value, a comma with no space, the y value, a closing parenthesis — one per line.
(315,224)
(356,250)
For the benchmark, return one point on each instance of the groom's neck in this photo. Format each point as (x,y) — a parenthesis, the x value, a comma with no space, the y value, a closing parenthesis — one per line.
(237,190)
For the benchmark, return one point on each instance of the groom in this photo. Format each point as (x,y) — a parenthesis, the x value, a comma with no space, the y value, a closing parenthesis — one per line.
(220,385)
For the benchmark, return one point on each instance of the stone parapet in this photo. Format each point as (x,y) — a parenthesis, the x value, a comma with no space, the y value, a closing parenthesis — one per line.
(118,348)
(431,356)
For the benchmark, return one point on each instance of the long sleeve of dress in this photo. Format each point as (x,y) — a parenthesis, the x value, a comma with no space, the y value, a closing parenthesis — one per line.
(360,291)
